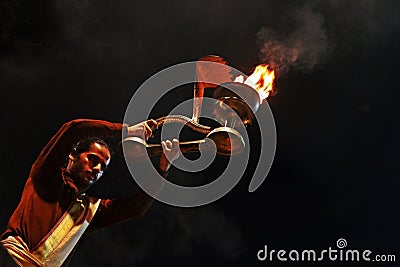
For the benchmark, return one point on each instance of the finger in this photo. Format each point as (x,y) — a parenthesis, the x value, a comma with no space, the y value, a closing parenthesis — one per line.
(169,144)
(148,131)
(175,143)
(152,123)
(164,146)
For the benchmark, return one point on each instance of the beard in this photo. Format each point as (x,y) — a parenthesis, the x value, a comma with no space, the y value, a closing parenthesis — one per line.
(82,179)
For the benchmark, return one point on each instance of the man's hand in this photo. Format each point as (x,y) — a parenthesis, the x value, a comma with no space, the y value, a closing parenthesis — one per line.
(171,149)
(143,129)
(170,153)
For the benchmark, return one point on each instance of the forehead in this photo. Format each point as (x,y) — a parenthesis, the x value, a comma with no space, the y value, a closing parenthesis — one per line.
(100,150)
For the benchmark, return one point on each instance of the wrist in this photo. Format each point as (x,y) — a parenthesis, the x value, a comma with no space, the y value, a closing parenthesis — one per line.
(163,173)
(125,132)
(164,163)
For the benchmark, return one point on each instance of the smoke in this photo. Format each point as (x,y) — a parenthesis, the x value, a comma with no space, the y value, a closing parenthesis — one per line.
(164,235)
(309,35)
(305,48)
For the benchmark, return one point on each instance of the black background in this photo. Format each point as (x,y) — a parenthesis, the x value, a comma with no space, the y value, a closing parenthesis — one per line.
(335,170)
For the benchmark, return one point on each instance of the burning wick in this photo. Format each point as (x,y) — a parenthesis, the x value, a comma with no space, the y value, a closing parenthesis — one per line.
(261,80)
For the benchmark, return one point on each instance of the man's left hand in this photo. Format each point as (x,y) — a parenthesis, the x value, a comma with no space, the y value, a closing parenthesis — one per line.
(171,152)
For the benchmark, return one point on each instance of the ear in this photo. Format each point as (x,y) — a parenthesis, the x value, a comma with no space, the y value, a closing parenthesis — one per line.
(73,154)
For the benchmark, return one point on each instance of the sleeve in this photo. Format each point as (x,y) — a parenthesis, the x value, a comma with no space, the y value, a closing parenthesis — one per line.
(55,153)
(112,211)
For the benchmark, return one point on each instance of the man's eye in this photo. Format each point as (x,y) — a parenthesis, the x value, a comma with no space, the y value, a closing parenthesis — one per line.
(93,158)
(96,160)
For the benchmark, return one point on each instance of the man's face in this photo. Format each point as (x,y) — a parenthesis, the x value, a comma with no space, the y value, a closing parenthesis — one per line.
(88,166)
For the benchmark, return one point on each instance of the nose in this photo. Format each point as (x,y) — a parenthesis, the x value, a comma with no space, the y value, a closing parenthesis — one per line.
(97,168)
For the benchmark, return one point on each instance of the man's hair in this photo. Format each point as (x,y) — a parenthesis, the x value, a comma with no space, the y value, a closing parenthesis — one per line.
(84,145)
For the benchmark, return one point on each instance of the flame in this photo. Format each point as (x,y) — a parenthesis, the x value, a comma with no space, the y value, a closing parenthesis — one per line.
(262,80)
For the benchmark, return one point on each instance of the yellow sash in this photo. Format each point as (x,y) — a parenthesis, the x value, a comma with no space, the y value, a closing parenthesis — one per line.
(58,244)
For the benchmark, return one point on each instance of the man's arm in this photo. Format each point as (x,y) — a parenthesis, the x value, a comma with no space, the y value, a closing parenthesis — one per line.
(55,153)
(112,211)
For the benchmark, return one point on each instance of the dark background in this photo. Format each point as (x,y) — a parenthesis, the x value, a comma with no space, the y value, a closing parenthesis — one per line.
(335,170)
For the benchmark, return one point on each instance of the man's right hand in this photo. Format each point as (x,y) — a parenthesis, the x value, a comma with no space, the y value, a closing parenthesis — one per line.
(142,129)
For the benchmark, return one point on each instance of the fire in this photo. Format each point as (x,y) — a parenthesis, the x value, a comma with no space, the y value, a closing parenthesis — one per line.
(262,80)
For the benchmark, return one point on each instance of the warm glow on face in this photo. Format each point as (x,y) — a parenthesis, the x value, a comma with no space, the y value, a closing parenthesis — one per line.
(262,80)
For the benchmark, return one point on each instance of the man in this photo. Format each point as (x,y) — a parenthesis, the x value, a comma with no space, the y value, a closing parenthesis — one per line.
(54,210)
